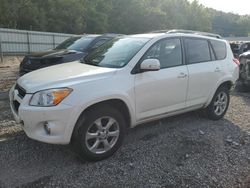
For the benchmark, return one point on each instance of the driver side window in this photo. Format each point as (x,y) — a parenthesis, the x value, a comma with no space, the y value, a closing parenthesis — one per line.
(99,43)
(167,51)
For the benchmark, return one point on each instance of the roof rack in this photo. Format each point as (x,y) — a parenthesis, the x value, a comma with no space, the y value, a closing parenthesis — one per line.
(159,31)
(194,32)
(111,34)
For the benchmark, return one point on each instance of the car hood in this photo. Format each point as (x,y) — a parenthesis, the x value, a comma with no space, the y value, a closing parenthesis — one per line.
(62,76)
(53,53)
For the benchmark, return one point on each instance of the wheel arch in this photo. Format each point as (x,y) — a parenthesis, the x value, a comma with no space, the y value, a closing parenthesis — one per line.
(224,83)
(228,84)
(117,103)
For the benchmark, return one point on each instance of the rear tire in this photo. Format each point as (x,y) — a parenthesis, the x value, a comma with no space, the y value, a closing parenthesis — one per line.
(219,104)
(98,133)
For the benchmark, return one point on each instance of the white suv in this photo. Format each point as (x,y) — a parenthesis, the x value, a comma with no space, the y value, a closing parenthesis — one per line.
(125,82)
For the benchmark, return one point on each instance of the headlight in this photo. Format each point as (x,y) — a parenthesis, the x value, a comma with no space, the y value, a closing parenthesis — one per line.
(51,97)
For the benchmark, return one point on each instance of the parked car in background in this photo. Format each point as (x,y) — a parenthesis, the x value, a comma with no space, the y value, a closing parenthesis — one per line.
(72,49)
(239,47)
(125,82)
(244,79)
(235,47)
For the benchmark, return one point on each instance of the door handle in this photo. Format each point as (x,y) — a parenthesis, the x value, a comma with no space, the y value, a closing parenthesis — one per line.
(182,75)
(217,69)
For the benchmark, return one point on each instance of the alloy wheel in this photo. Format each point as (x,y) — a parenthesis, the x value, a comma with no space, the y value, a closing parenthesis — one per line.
(102,135)
(220,104)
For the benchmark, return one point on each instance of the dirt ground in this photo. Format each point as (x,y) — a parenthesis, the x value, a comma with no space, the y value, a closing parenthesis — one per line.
(9,72)
(182,151)
(8,76)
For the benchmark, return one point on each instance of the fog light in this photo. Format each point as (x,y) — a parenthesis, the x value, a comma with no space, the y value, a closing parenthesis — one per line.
(46,127)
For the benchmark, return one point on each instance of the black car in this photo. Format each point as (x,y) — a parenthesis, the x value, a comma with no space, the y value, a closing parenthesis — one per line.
(74,48)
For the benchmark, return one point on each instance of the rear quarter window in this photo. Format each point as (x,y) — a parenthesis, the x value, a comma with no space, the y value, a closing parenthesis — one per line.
(220,49)
(197,50)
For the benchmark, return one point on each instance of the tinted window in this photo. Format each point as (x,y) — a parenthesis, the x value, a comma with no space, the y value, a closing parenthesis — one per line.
(76,43)
(219,49)
(197,50)
(115,53)
(235,47)
(167,51)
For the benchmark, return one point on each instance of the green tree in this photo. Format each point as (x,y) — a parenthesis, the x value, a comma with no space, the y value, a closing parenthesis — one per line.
(65,16)
(118,16)
(21,14)
(96,15)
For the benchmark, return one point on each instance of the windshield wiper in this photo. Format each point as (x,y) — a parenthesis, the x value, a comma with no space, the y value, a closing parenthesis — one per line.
(88,62)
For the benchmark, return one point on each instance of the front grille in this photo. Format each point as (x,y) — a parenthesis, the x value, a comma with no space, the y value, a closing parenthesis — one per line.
(16,105)
(25,59)
(32,63)
(21,91)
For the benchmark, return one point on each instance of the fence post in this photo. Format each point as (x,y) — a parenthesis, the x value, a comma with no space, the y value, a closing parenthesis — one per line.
(28,42)
(1,51)
(54,42)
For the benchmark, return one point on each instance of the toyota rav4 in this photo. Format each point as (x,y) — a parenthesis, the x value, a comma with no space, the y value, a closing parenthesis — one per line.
(127,81)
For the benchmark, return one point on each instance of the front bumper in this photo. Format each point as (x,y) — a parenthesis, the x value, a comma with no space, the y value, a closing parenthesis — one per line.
(36,121)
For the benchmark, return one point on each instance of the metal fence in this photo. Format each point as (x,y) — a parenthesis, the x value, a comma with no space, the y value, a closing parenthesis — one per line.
(20,42)
(238,39)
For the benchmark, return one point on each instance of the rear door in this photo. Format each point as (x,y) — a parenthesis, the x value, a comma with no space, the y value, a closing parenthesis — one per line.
(203,70)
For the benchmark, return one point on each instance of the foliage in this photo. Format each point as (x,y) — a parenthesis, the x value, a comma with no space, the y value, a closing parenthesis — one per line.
(118,16)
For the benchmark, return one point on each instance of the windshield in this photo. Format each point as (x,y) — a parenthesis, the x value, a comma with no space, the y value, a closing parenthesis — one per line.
(76,43)
(115,53)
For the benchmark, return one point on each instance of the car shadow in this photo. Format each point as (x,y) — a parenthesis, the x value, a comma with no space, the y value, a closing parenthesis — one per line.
(244,95)
(164,147)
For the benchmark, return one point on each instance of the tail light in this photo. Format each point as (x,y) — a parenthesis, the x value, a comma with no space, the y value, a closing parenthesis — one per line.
(236,61)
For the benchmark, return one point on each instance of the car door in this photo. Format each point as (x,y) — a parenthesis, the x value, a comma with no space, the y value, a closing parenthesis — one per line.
(204,71)
(163,91)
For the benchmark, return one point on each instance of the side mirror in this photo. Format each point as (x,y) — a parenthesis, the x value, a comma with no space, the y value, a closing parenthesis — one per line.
(150,65)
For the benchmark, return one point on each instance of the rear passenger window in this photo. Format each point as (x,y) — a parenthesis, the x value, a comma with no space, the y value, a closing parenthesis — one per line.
(219,49)
(197,51)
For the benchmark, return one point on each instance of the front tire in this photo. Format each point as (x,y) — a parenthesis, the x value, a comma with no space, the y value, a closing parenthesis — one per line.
(219,104)
(99,133)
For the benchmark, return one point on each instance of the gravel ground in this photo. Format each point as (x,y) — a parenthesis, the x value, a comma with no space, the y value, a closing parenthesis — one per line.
(8,76)
(8,72)
(182,151)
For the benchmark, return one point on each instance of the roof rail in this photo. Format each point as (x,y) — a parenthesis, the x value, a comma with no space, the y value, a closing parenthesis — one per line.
(111,34)
(194,32)
(159,31)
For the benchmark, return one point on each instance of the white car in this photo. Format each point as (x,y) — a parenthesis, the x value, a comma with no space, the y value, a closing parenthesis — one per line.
(125,82)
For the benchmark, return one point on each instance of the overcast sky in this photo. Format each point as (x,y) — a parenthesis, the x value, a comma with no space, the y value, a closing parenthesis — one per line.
(236,6)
